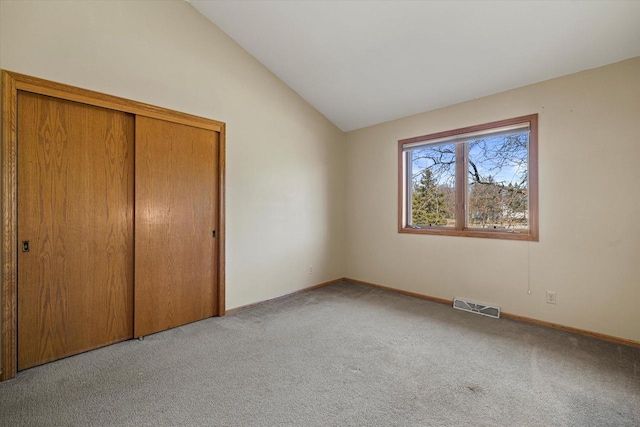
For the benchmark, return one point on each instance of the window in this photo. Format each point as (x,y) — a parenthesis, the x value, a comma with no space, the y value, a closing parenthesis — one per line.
(480,181)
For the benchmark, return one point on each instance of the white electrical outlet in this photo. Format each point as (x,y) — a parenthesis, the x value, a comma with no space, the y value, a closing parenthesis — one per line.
(311,269)
(551,297)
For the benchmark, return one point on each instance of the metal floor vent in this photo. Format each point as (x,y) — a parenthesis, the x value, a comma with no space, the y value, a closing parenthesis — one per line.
(475,307)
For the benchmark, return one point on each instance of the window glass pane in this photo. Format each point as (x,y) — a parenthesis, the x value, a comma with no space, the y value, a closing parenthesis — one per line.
(432,189)
(498,182)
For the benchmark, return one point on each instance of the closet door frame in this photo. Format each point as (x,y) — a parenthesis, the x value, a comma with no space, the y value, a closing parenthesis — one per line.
(11,84)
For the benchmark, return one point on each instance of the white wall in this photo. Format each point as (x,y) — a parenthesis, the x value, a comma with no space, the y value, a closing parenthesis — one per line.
(589,248)
(285,161)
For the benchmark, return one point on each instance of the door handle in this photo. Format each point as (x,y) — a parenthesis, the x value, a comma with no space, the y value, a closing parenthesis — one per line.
(25,246)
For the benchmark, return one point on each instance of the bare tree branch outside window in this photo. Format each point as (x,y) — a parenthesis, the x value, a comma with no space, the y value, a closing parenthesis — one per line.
(497,185)
(433,185)
(497,182)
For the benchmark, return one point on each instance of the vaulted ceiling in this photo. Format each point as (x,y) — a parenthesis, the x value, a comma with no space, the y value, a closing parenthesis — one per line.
(365,62)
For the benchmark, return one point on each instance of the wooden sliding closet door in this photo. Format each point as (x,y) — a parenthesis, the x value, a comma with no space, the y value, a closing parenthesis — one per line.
(75,210)
(175,218)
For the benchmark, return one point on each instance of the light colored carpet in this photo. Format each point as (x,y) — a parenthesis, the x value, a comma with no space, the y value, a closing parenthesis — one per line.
(341,355)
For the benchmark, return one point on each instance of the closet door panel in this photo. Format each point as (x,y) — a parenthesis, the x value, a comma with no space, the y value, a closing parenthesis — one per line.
(175,216)
(75,208)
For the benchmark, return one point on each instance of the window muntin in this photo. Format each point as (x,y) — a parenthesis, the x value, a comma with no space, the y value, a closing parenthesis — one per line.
(479,181)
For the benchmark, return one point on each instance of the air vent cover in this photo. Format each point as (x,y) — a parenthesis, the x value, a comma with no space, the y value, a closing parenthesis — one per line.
(476,307)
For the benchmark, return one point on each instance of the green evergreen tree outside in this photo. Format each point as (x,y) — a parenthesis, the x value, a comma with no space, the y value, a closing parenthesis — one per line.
(428,205)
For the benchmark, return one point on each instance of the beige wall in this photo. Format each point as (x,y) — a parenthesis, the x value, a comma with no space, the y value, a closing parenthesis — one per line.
(285,161)
(589,249)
